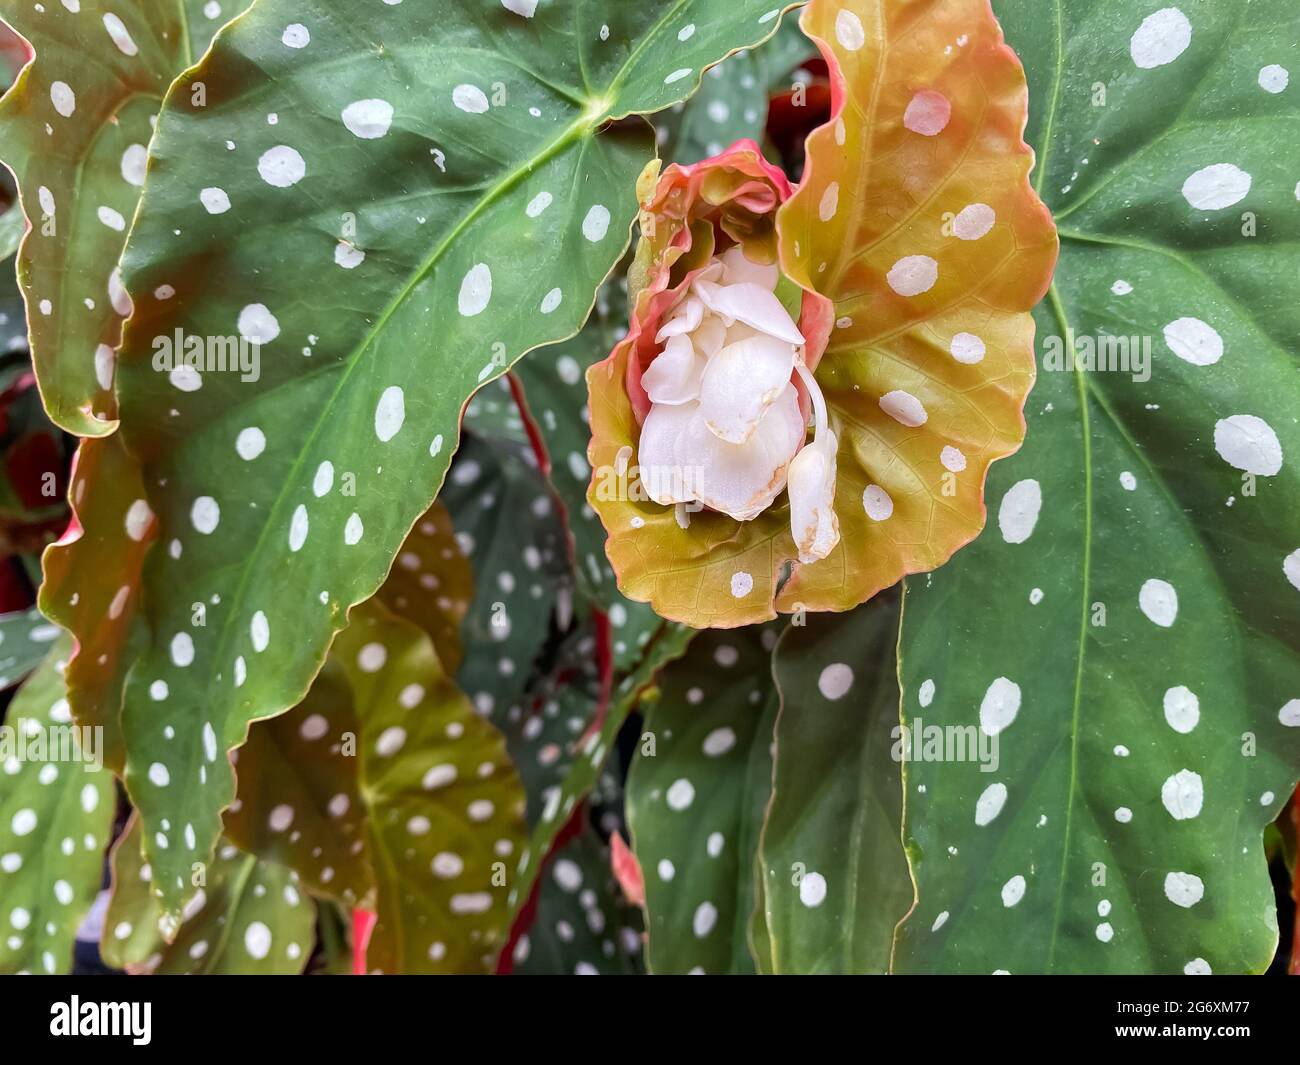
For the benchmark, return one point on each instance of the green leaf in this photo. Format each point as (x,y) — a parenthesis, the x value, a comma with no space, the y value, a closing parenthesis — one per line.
(583,926)
(56,815)
(733,98)
(492,412)
(790,295)
(544,725)
(12,226)
(301,798)
(506,523)
(74,129)
(553,381)
(696,800)
(835,877)
(418,139)
(385,790)
(249,918)
(1144,741)
(25,640)
(299,802)
(583,758)
(432,585)
(446,805)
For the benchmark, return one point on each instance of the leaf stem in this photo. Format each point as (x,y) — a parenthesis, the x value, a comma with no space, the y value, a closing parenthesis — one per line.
(530,425)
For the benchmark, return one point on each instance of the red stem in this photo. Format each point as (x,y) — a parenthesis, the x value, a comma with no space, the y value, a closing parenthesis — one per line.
(530,426)
(605,665)
(528,912)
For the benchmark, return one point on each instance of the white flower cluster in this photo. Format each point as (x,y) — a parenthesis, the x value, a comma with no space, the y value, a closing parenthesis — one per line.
(723,403)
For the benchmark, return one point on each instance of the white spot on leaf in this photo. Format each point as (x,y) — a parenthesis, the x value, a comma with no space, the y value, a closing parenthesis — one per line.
(1018,512)
(1161,39)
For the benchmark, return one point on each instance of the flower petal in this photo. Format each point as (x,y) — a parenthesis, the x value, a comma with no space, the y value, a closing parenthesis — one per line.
(684,318)
(684,558)
(751,304)
(741,480)
(738,269)
(674,376)
(740,382)
(661,475)
(710,337)
(811,481)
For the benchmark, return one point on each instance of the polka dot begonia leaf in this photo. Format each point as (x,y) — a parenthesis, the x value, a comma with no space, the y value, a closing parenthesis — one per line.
(248,917)
(582,757)
(298,800)
(697,798)
(92,584)
(583,927)
(509,525)
(445,806)
(916,217)
(733,99)
(1126,630)
(835,877)
(74,128)
(916,233)
(552,382)
(544,725)
(384,790)
(492,412)
(431,585)
(354,193)
(56,816)
(25,639)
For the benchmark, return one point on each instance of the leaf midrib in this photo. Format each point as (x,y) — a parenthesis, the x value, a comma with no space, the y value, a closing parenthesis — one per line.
(234,890)
(1058,310)
(581,128)
(572,133)
(1083,392)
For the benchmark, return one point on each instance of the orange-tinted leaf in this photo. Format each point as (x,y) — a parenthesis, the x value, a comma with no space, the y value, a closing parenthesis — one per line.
(917,219)
(431,584)
(917,222)
(92,582)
